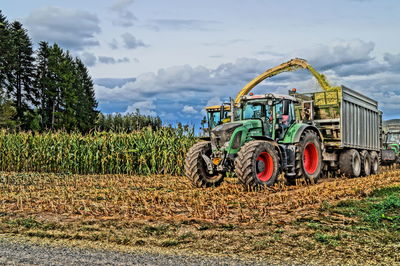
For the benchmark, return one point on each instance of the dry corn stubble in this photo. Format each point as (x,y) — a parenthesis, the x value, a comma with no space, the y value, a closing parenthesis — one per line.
(171,198)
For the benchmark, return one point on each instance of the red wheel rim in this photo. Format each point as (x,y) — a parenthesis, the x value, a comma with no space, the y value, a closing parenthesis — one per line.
(266,174)
(310,159)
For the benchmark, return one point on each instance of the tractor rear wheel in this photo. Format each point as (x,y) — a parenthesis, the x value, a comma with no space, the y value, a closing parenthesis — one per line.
(257,164)
(365,163)
(350,163)
(375,163)
(308,164)
(196,168)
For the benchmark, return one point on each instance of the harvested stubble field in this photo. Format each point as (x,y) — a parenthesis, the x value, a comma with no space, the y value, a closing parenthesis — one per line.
(325,223)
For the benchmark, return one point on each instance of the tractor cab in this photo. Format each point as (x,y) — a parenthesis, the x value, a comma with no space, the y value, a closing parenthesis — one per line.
(217,115)
(393,141)
(391,151)
(276,112)
(393,137)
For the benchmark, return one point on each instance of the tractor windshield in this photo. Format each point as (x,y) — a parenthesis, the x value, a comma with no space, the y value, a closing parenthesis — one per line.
(214,118)
(393,138)
(257,110)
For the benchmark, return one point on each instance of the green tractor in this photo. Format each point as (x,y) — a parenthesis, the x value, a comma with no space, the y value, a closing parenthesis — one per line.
(337,130)
(391,152)
(262,143)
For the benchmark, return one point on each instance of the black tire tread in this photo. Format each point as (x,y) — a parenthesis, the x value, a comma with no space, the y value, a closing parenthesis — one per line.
(346,162)
(365,156)
(194,168)
(375,156)
(244,164)
(299,173)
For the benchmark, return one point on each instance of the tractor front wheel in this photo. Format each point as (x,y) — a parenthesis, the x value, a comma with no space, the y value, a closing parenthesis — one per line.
(308,164)
(196,167)
(257,164)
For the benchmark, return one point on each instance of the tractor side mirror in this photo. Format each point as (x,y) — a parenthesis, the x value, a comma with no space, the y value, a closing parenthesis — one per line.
(204,121)
(222,113)
(286,107)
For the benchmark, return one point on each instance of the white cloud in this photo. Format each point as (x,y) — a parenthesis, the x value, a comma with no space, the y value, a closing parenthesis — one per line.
(113,44)
(121,4)
(393,60)
(131,42)
(185,89)
(214,101)
(88,59)
(338,53)
(112,60)
(182,24)
(189,109)
(124,17)
(146,107)
(71,29)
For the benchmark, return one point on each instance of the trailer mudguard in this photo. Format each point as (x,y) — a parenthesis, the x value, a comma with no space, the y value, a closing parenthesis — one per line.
(394,147)
(294,133)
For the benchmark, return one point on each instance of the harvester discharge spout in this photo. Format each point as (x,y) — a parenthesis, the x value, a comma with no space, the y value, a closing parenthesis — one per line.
(292,65)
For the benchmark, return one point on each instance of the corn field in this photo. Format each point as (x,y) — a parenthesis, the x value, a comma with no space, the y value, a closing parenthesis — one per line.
(142,152)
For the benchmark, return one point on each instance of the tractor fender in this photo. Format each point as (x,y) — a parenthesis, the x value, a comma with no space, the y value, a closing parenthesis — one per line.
(262,138)
(272,142)
(302,129)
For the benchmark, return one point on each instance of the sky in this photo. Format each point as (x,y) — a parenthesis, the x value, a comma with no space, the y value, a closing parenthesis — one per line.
(173,58)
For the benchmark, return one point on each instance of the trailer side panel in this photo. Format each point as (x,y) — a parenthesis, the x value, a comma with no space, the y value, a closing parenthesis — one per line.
(360,121)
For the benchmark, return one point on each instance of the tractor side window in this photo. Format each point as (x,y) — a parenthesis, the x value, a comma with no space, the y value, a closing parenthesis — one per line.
(279,110)
(214,118)
(237,114)
(285,119)
(292,117)
(268,114)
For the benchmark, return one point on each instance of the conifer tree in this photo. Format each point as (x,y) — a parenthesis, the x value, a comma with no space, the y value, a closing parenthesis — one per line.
(66,90)
(87,106)
(51,90)
(54,87)
(42,83)
(7,112)
(20,68)
(4,50)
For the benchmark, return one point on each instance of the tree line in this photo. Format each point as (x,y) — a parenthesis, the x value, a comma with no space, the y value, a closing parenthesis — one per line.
(49,89)
(127,123)
(46,89)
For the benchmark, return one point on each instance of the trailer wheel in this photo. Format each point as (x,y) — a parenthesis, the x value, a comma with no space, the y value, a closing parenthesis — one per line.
(257,164)
(375,163)
(365,163)
(350,163)
(308,164)
(196,167)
